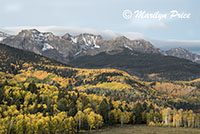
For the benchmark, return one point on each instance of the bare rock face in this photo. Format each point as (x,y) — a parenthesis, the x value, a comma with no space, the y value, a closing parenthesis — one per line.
(90,44)
(137,45)
(39,43)
(86,43)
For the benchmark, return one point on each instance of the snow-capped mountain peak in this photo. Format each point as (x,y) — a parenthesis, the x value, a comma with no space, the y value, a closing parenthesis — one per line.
(3,36)
(90,40)
(184,54)
(69,46)
(36,35)
(86,41)
(74,39)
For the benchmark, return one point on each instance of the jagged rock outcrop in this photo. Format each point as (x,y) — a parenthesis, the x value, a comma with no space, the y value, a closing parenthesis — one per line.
(67,47)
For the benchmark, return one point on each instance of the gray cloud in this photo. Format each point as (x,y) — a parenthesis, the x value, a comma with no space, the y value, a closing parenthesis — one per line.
(59,30)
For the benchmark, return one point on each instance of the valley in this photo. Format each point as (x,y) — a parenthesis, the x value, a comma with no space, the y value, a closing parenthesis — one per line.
(38,94)
(99,67)
(93,86)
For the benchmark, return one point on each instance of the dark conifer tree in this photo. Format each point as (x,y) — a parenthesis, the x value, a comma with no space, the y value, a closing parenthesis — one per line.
(103,110)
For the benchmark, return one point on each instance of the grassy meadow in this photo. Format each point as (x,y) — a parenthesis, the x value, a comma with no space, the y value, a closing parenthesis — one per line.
(142,129)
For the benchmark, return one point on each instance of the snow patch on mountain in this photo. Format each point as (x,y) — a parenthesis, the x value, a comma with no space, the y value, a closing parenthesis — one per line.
(96,46)
(77,53)
(85,41)
(90,41)
(2,38)
(47,47)
(74,39)
(94,41)
(128,47)
(197,59)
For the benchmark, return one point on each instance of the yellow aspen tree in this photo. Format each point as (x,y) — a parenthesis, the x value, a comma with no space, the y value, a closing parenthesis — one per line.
(99,120)
(190,118)
(91,120)
(79,118)
(174,118)
(180,112)
(185,119)
(197,121)
(166,116)
(177,120)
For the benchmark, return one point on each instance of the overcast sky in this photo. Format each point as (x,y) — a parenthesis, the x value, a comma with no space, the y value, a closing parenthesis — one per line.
(105,17)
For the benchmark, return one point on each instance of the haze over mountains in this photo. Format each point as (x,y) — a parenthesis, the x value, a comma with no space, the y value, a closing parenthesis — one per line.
(93,51)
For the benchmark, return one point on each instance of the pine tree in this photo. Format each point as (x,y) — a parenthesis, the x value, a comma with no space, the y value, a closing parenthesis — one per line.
(103,110)
(62,104)
(32,87)
(137,112)
(72,109)
(111,120)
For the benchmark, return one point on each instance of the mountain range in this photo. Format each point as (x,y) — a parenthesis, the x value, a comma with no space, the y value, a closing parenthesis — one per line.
(137,57)
(183,53)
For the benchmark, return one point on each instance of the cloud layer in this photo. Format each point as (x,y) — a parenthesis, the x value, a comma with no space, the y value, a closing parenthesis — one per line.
(192,45)
(59,30)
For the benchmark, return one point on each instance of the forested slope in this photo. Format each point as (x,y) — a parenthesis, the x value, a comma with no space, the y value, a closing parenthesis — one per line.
(39,95)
